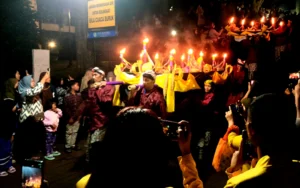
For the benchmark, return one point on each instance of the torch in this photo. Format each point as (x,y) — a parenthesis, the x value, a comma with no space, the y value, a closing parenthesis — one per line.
(172,53)
(262,21)
(243,23)
(182,60)
(231,20)
(214,59)
(200,61)
(273,22)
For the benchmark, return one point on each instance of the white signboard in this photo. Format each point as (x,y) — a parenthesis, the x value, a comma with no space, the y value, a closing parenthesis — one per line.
(41,62)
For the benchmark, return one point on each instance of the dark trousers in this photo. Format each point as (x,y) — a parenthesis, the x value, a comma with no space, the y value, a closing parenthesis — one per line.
(29,139)
(5,154)
(50,140)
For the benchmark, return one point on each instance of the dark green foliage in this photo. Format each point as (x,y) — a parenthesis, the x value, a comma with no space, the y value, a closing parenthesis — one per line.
(18,34)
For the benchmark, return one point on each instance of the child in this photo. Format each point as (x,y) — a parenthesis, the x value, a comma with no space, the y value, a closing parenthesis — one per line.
(72,103)
(51,121)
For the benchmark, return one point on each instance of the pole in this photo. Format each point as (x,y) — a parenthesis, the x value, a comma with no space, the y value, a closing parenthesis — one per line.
(94,49)
(70,37)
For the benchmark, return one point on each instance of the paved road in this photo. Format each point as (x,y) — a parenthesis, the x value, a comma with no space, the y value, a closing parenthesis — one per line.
(63,172)
(67,169)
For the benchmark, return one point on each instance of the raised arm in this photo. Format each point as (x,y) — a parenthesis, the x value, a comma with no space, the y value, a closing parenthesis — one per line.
(36,90)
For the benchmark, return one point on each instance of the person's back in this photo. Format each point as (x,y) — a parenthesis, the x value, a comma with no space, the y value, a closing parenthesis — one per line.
(271,129)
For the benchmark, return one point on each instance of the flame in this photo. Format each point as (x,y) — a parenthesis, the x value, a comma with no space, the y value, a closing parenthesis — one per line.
(201,54)
(243,21)
(123,51)
(224,55)
(262,20)
(273,21)
(182,57)
(146,40)
(173,51)
(156,56)
(281,23)
(252,23)
(231,20)
(142,54)
(215,55)
(190,52)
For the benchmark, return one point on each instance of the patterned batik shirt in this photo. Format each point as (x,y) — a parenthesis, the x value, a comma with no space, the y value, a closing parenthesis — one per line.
(34,107)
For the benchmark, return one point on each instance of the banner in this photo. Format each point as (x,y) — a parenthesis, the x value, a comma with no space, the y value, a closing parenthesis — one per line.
(101,14)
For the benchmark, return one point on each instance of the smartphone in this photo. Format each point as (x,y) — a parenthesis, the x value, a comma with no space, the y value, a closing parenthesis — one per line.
(32,173)
(173,129)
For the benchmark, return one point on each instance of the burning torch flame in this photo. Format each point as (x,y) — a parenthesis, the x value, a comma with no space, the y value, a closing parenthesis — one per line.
(281,23)
(224,55)
(243,21)
(252,23)
(190,52)
(214,56)
(123,51)
(262,20)
(173,51)
(182,58)
(273,21)
(142,54)
(156,56)
(201,54)
(231,20)
(145,41)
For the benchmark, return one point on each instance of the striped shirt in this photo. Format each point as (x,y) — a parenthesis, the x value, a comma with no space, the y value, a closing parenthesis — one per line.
(31,109)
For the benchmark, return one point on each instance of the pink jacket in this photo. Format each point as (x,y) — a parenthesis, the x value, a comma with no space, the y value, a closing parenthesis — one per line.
(51,120)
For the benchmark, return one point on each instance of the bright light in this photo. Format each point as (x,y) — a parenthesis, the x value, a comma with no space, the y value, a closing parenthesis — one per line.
(142,54)
(52,44)
(173,51)
(281,23)
(224,55)
(231,20)
(182,58)
(173,33)
(214,55)
(273,21)
(156,56)
(146,40)
(252,23)
(123,51)
(262,20)
(190,52)
(243,21)
(201,54)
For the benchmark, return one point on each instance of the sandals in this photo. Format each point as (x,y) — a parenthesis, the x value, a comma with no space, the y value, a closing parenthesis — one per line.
(11,170)
(55,154)
(3,174)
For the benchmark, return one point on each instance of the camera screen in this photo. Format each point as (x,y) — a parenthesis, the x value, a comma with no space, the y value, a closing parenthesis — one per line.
(31,177)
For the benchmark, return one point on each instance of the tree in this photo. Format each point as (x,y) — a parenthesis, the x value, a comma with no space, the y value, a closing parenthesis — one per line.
(257,4)
(18,35)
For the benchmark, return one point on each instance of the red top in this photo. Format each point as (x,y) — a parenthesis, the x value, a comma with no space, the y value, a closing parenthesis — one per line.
(99,104)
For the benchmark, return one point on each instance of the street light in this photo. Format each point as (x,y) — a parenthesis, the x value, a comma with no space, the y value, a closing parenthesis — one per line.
(173,33)
(52,44)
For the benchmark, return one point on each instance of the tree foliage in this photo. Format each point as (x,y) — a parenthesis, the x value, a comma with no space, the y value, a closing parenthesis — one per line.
(257,4)
(18,34)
